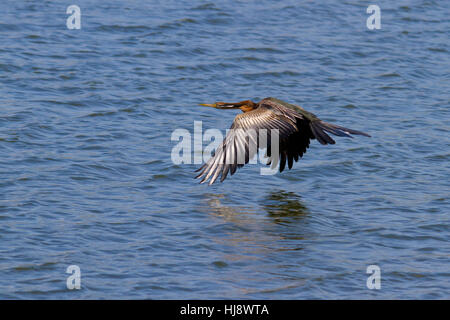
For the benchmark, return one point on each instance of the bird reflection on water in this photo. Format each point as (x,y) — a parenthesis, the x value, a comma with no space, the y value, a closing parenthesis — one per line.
(269,233)
(281,206)
(280,229)
(284,206)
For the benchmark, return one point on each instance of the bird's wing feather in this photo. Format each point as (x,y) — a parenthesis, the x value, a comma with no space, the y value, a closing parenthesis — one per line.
(242,141)
(318,127)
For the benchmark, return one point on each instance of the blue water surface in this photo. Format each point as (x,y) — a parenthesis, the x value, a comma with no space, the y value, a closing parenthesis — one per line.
(85,150)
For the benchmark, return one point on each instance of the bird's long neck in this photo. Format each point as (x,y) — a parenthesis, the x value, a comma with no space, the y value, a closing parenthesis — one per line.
(247,106)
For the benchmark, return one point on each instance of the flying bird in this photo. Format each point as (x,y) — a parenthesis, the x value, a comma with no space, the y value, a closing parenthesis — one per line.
(296,127)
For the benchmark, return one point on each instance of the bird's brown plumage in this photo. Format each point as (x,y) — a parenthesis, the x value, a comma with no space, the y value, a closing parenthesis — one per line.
(296,127)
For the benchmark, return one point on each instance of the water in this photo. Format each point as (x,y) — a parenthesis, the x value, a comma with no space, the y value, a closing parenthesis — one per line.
(87,177)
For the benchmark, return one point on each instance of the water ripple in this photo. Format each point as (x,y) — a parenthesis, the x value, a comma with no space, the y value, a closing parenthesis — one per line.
(85,143)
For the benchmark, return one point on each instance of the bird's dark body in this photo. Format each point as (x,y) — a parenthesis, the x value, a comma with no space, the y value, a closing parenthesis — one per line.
(296,126)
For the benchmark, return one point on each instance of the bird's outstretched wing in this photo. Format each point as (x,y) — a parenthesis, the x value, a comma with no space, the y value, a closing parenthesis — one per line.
(309,127)
(305,119)
(242,141)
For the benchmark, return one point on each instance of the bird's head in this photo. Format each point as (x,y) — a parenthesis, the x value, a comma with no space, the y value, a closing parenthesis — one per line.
(245,106)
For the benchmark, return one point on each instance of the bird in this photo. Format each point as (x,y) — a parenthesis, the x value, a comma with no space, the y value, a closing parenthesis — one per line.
(296,128)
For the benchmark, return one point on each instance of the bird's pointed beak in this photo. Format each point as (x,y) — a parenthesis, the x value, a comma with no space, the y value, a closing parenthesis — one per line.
(221,105)
(214,105)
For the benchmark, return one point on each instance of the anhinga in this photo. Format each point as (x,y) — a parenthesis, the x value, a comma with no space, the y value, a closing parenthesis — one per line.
(296,127)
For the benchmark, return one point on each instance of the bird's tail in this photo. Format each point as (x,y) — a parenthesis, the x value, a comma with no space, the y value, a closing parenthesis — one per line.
(320,128)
